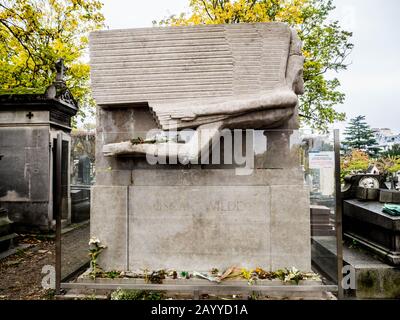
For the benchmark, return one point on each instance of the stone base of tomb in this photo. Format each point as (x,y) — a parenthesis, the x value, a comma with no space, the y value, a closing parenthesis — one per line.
(374,279)
(195,288)
(199,219)
(310,288)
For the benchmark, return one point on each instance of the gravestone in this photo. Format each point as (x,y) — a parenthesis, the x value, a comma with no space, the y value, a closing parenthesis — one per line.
(80,193)
(169,102)
(364,220)
(84,170)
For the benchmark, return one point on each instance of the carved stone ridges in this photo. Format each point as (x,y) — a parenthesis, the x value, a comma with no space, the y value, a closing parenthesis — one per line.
(175,64)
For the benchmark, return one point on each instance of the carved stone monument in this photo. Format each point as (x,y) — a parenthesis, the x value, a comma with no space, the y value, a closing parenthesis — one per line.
(173,94)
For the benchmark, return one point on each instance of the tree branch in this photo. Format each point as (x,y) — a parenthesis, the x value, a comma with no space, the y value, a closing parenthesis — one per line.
(206,9)
(20,42)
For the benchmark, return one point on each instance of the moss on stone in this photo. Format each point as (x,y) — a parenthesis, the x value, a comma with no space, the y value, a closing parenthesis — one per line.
(15,91)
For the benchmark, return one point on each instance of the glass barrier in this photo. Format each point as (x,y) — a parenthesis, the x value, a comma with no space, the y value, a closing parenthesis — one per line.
(75,235)
(319,165)
(218,205)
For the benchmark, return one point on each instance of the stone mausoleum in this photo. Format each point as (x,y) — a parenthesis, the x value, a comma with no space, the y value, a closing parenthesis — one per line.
(29,125)
(190,215)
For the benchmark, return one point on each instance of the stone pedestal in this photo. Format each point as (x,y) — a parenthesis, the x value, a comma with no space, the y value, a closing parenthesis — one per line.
(201,219)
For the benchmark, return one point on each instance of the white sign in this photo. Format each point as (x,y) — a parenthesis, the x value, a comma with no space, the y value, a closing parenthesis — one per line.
(322,160)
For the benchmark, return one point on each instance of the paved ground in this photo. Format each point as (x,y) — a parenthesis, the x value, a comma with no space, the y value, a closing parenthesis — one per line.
(21,277)
(74,250)
(20,273)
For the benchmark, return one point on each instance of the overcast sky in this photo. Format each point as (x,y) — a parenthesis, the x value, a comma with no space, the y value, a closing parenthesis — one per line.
(372,80)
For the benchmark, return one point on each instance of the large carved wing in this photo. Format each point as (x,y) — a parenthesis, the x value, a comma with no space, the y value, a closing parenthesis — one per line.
(194,75)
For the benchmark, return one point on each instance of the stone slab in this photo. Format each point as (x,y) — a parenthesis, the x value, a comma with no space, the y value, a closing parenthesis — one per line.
(389,196)
(13,250)
(290,228)
(199,227)
(370,212)
(108,222)
(220,177)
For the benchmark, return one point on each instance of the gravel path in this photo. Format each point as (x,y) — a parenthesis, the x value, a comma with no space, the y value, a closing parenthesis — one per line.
(20,273)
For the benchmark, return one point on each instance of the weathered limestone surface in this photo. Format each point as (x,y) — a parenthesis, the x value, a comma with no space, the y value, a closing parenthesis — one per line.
(109,218)
(199,219)
(199,226)
(160,66)
(244,76)
(201,216)
(290,227)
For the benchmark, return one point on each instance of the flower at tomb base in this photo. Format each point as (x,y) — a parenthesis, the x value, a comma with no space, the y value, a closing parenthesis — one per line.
(95,242)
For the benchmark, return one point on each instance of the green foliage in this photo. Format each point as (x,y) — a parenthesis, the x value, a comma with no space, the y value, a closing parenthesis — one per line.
(394,151)
(360,136)
(280,274)
(326,45)
(95,248)
(358,161)
(293,275)
(112,274)
(285,275)
(156,277)
(355,161)
(120,294)
(90,297)
(354,244)
(49,294)
(254,296)
(34,34)
(20,252)
(289,275)
(396,167)
(19,90)
(389,164)
(83,144)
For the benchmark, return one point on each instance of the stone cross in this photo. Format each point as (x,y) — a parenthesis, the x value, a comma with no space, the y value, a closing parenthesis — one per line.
(61,69)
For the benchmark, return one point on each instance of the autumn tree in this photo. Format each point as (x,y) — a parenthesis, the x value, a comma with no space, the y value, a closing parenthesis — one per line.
(360,136)
(34,34)
(326,45)
(354,162)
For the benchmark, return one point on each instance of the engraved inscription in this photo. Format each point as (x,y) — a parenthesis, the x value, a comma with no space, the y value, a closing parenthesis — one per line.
(224,206)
